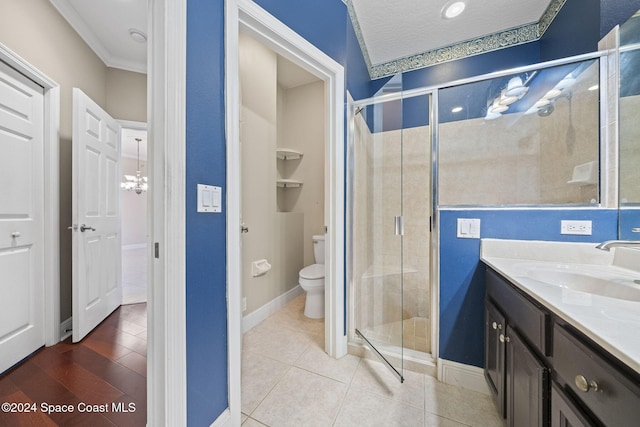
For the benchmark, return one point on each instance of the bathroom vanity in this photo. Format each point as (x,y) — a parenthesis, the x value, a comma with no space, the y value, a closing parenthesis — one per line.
(561,333)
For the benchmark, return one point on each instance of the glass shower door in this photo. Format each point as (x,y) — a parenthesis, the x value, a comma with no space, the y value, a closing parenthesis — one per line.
(378,229)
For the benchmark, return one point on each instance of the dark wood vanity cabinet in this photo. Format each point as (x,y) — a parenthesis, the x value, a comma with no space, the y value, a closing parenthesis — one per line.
(517,377)
(542,371)
(494,353)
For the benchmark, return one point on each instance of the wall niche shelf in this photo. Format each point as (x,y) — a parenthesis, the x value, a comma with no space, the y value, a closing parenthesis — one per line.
(288,154)
(288,183)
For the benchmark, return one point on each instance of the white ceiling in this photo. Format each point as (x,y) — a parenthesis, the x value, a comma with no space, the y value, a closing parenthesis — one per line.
(104,25)
(394,29)
(390,29)
(290,75)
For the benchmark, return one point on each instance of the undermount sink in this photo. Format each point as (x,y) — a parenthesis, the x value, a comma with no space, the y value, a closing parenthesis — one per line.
(604,282)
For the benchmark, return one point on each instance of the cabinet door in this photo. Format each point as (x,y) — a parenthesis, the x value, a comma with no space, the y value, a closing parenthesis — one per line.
(564,413)
(527,378)
(494,352)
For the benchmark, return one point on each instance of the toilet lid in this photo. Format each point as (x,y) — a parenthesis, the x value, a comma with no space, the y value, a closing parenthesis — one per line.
(313,271)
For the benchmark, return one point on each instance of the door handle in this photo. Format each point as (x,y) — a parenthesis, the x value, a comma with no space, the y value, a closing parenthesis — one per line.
(244,229)
(635,230)
(83,228)
(398,224)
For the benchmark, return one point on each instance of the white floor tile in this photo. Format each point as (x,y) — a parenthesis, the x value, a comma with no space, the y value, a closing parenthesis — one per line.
(259,375)
(361,408)
(376,378)
(317,361)
(288,380)
(301,398)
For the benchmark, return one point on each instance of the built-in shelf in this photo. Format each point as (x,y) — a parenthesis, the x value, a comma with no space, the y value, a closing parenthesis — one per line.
(288,183)
(288,154)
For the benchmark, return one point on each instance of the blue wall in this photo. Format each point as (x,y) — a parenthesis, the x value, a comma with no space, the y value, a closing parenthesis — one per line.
(462,283)
(205,233)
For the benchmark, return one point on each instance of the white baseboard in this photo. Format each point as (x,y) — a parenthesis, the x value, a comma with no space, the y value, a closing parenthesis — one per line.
(253,319)
(134,246)
(223,420)
(65,329)
(465,376)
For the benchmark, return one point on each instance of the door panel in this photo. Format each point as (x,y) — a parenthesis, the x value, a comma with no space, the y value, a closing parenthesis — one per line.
(378,240)
(21,217)
(97,283)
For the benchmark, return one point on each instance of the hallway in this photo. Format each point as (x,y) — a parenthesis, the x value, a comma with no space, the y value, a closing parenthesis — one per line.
(107,367)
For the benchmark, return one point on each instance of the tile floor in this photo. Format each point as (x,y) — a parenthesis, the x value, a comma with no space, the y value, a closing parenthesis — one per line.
(288,380)
(134,276)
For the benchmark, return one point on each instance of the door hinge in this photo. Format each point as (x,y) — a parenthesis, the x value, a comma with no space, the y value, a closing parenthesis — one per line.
(156,249)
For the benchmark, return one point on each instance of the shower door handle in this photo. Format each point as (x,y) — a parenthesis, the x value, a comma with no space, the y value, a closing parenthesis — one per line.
(398,222)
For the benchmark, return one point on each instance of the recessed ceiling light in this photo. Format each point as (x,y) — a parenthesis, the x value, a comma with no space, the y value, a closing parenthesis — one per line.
(456,109)
(594,87)
(138,35)
(453,9)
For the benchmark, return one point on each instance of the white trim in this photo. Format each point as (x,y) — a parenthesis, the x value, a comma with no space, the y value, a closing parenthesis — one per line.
(268,30)
(66,329)
(74,19)
(461,375)
(130,124)
(51,191)
(254,318)
(234,272)
(134,247)
(223,420)
(166,362)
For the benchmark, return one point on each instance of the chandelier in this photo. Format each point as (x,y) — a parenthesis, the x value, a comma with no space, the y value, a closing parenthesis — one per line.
(136,183)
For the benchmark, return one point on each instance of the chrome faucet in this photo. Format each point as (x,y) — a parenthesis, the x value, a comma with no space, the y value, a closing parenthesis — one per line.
(606,246)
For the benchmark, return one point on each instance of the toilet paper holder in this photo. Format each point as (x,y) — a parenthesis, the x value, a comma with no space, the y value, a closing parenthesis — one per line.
(260,267)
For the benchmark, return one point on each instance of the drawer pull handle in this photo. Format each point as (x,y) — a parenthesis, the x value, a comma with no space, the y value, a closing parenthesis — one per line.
(585,385)
(496,325)
(504,338)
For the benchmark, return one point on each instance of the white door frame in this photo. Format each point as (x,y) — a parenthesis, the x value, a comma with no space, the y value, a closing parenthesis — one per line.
(51,192)
(274,34)
(166,118)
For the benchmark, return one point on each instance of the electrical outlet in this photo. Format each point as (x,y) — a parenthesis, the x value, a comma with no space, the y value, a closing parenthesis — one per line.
(582,228)
(244,304)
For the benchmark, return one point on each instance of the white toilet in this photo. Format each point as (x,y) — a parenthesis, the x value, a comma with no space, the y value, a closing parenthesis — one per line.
(311,279)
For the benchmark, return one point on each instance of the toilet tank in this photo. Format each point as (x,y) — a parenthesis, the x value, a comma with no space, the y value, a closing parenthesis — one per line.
(318,249)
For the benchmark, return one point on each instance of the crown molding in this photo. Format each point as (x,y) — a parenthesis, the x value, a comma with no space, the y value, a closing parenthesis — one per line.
(500,40)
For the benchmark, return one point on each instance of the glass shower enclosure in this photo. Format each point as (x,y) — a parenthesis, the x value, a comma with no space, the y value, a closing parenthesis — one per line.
(390,217)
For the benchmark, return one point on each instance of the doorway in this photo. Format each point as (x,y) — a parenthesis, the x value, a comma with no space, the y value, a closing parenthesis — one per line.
(134,212)
(253,20)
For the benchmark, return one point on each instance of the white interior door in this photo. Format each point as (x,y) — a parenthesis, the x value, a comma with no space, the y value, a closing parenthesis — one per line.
(21,216)
(97,281)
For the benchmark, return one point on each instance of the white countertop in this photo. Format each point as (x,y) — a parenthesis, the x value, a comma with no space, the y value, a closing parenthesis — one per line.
(612,323)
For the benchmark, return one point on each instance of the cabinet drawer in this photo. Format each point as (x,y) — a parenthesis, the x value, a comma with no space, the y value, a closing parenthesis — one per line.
(530,320)
(616,402)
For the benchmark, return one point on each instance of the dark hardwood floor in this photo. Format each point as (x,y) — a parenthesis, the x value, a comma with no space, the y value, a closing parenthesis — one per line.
(105,372)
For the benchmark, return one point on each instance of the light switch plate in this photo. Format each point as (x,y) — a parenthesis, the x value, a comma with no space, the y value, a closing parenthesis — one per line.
(209,198)
(468,228)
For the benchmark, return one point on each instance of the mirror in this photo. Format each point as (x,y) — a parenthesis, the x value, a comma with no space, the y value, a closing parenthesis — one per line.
(629,128)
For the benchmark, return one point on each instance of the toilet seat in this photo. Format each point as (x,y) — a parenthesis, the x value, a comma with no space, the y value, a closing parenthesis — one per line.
(312,272)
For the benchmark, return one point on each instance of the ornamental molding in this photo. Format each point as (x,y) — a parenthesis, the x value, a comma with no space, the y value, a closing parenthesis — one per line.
(503,39)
